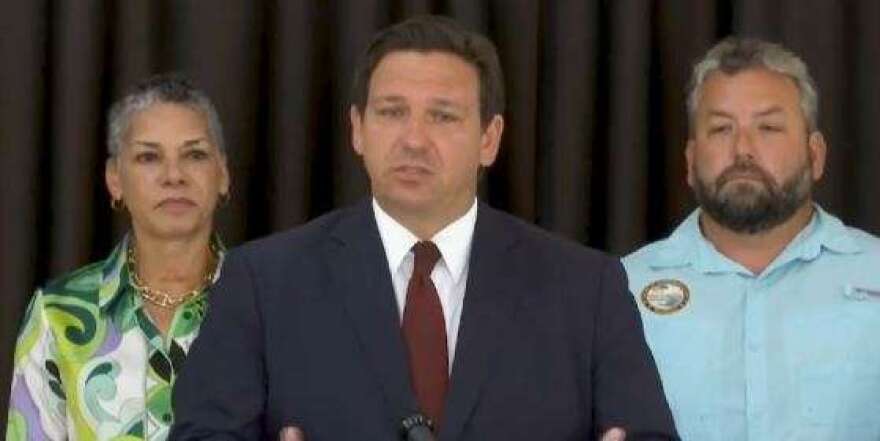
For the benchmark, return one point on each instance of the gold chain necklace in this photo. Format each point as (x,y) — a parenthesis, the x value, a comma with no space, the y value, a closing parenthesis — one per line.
(160,298)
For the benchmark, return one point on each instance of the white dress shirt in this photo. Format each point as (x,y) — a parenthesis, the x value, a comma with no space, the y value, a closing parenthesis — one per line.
(449,274)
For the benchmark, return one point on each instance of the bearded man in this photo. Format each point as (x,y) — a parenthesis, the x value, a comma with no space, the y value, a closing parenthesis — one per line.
(762,310)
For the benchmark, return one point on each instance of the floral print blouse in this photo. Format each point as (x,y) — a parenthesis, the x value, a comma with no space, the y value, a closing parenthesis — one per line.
(90,364)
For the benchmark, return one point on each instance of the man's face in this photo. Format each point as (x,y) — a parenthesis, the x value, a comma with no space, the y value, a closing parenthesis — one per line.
(751,159)
(420,134)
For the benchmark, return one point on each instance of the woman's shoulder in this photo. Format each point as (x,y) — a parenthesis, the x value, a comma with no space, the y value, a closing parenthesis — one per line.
(85,279)
(88,280)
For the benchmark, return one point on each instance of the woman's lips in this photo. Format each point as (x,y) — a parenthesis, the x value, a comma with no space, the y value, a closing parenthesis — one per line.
(176,205)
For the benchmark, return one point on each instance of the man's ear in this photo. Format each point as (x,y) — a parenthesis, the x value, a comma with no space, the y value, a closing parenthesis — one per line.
(818,152)
(689,162)
(491,140)
(356,126)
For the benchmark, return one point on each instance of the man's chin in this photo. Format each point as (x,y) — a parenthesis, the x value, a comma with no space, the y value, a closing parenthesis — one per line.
(744,205)
(406,202)
(749,217)
(743,191)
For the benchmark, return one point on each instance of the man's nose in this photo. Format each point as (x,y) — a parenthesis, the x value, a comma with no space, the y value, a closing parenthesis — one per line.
(744,144)
(416,134)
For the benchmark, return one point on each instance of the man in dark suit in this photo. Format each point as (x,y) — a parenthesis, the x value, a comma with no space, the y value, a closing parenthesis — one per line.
(422,305)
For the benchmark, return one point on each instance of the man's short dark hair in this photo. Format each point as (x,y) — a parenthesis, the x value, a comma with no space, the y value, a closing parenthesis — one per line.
(427,33)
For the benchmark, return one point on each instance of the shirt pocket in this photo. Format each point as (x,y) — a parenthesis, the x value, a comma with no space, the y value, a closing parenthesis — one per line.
(698,377)
(837,362)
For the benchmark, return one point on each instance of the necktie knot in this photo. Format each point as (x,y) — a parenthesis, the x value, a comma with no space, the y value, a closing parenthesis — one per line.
(426,256)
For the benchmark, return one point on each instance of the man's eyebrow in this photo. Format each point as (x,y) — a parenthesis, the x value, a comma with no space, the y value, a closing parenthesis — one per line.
(720,113)
(443,102)
(389,98)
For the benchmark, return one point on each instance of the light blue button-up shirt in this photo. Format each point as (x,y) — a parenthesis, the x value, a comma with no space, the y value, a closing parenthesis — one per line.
(790,354)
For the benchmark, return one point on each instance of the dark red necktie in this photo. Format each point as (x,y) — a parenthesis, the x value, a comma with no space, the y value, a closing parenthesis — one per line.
(424,330)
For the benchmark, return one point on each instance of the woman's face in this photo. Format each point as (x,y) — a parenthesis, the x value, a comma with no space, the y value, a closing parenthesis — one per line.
(168,172)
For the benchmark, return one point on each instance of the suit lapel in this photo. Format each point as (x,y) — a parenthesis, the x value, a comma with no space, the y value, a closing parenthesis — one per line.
(363,283)
(489,304)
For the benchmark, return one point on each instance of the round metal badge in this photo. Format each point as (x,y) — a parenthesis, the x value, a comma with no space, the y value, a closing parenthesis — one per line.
(666,296)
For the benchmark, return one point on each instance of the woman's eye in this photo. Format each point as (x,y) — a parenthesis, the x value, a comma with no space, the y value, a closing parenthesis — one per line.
(146,157)
(197,154)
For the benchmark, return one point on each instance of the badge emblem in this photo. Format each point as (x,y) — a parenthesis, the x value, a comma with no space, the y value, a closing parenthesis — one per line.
(666,296)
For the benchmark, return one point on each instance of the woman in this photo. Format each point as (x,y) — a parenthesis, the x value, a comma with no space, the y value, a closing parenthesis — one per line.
(101,346)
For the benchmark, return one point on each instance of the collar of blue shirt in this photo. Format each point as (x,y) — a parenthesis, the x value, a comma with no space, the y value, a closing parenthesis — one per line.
(687,246)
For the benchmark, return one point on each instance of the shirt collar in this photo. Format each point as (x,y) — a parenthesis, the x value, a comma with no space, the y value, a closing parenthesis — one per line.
(453,241)
(113,272)
(687,245)
(833,235)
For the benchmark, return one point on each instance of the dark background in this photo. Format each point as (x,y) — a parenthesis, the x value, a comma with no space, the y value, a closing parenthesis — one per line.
(592,147)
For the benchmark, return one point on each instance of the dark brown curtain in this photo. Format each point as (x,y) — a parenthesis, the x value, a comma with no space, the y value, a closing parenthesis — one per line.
(595,120)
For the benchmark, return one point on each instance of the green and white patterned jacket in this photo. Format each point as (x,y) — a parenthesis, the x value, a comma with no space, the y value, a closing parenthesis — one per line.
(89,363)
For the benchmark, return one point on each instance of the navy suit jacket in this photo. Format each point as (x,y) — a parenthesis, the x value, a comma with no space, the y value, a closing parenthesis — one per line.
(303,329)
